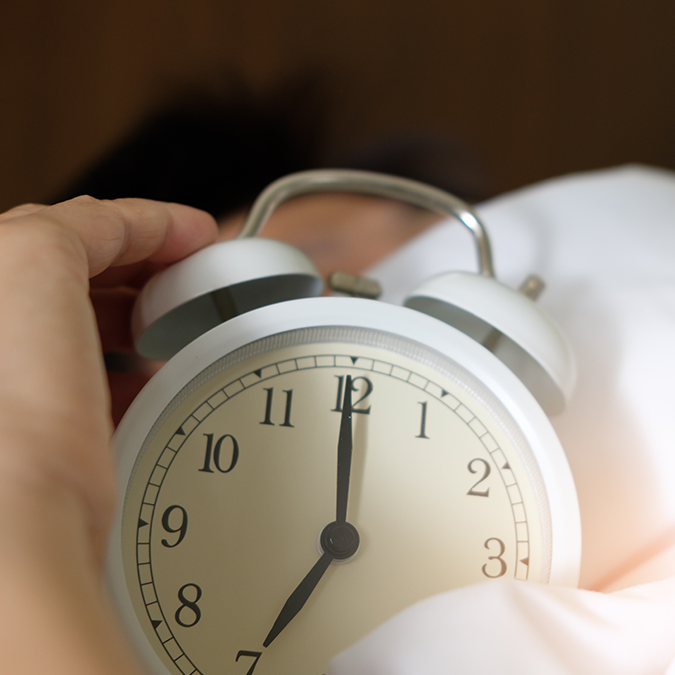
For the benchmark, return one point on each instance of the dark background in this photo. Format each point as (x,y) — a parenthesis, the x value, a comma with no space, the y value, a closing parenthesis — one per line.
(535,88)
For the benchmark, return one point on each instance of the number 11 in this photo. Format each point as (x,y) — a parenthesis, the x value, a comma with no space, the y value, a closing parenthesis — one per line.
(268,408)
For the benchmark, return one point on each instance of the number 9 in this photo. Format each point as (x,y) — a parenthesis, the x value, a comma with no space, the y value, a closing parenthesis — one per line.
(181,529)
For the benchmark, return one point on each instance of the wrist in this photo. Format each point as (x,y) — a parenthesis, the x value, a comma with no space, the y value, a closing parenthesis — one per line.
(52,591)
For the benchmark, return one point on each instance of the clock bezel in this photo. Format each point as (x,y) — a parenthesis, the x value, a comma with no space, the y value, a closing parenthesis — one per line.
(326,312)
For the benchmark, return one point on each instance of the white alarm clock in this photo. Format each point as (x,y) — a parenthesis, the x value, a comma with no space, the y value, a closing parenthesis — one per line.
(305,467)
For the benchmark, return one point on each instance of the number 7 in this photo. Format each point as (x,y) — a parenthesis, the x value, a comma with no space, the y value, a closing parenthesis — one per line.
(254,655)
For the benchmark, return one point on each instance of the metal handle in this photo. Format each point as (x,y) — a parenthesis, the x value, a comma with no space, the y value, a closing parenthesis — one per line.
(377,184)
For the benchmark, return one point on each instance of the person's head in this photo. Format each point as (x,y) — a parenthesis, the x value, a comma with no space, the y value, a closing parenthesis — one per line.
(218,154)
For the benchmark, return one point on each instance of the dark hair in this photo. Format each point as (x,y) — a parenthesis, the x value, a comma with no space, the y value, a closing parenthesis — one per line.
(218,154)
(214,154)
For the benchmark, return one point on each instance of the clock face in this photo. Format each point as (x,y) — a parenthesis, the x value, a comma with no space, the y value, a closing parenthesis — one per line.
(221,530)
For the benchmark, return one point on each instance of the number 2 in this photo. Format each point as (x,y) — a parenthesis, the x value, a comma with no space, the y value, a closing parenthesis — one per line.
(486,473)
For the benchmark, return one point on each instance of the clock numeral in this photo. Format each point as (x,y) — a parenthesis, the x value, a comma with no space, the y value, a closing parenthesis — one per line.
(213,453)
(253,655)
(486,473)
(502,563)
(182,527)
(366,384)
(194,614)
(423,421)
(268,408)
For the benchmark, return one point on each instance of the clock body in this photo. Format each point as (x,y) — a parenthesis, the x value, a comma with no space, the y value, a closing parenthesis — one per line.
(228,464)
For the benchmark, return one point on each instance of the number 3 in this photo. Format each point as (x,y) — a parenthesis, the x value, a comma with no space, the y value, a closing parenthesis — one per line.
(502,563)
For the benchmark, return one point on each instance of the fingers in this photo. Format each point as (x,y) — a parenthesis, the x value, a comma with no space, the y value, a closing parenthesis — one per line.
(124,231)
(132,276)
(22,210)
(54,400)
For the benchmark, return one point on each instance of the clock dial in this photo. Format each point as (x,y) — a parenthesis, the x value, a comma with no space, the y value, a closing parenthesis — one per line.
(305,488)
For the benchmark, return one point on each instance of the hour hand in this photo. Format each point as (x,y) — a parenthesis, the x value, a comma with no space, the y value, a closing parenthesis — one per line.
(297,599)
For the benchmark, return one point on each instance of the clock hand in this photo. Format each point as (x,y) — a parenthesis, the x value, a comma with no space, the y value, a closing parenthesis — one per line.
(344,452)
(339,539)
(299,597)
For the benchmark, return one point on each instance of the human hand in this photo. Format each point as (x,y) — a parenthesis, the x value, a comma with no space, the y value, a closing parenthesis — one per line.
(56,470)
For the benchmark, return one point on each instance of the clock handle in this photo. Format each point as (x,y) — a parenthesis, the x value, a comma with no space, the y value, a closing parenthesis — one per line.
(370,183)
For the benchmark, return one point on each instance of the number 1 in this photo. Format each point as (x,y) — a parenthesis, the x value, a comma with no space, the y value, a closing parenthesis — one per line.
(423,421)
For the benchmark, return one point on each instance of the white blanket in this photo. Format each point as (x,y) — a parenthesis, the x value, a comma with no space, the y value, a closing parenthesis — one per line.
(605,244)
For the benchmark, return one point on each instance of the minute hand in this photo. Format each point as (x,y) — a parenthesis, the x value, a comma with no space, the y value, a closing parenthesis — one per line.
(344,454)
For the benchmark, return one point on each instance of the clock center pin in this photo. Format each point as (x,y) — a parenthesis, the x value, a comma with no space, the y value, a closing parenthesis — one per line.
(341,540)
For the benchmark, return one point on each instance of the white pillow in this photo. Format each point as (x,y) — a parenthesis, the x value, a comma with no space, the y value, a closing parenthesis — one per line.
(605,244)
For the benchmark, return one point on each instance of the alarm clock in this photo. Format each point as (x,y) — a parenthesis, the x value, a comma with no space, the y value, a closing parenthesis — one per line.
(304,467)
